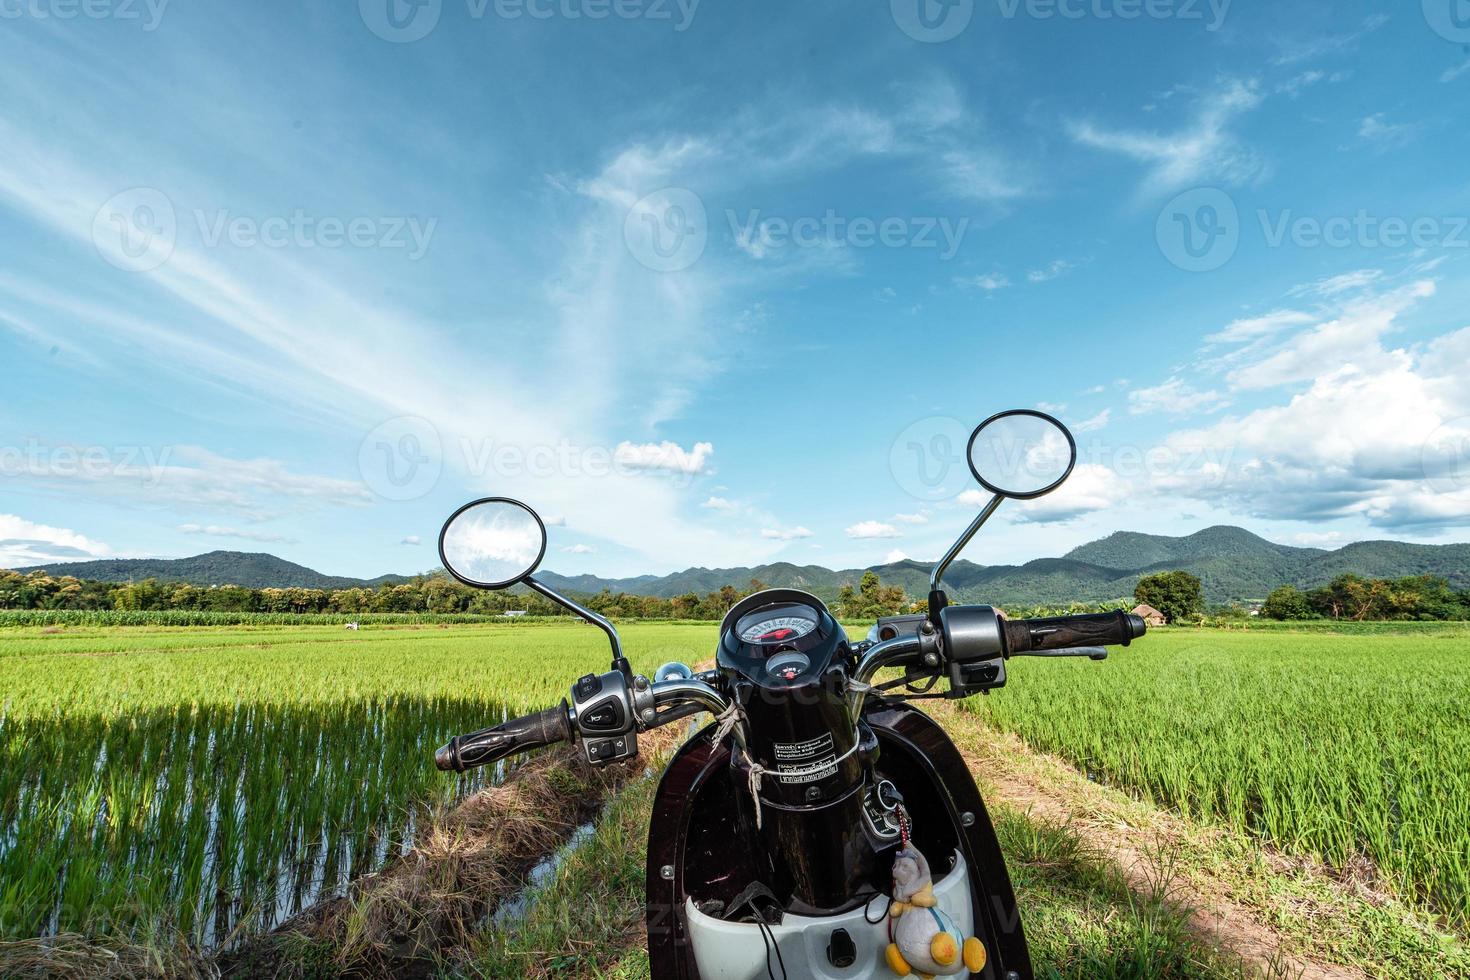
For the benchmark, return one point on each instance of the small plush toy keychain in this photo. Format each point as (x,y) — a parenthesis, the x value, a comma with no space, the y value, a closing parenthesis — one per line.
(922,936)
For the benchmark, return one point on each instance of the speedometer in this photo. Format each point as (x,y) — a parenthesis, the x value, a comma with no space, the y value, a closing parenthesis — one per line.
(776,625)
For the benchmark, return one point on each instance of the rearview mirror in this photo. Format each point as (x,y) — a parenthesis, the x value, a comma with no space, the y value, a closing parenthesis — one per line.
(492,543)
(497,542)
(1022,454)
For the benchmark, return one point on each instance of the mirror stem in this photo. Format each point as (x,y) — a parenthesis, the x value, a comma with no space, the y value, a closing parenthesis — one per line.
(964,539)
(620,662)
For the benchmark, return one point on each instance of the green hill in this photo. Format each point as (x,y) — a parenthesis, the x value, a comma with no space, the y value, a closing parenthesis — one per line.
(249,569)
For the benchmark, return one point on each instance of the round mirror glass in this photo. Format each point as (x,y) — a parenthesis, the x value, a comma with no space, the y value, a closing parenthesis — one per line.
(1022,454)
(492,543)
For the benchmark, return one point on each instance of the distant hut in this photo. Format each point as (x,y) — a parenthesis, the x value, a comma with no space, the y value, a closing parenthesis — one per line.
(1150,615)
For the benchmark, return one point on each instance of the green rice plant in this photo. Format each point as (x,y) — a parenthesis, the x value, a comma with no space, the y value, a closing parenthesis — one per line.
(1342,748)
(195,779)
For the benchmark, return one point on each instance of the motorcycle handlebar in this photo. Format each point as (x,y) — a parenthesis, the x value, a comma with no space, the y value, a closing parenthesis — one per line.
(517,735)
(1106,629)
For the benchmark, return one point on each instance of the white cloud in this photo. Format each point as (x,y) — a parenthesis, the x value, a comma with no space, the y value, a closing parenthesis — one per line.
(666,456)
(183,478)
(412,540)
(217,531)
(1293,86)
(1376,434)
(1376,129)
(990,281)
(722,504)
(785,534)
(1090,488)
(973,498)
(911,518)
(1330,540)
(864,530)
(1334,285)
(24,542)
(1173,397)
(1252,327)
(1203,150)
(1450,74)
(1351,337)
(579,549)
(1098,421)
(1056,269)
(1320,44)
(895,556)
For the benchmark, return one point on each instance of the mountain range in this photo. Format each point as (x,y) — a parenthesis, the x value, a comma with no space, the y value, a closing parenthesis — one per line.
(249,569)
(1233,564)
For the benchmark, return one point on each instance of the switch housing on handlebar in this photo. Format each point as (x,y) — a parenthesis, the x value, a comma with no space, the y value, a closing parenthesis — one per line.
(604,712)
(974,649)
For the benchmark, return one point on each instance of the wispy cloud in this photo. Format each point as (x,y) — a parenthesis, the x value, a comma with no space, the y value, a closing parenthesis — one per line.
(1385,135)
(1053,270)
(990,281)
(785,533)
(1294,51)
(866,530)
(1174,397)
(217,531)
(1204,149)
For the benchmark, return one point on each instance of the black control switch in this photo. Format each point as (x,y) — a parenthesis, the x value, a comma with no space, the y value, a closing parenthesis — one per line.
(841,950)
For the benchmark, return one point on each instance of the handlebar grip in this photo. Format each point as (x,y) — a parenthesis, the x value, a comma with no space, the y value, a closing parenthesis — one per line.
(513,737)
(1027,635)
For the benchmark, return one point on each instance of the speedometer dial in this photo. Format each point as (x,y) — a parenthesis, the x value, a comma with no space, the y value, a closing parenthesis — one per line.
(767,627)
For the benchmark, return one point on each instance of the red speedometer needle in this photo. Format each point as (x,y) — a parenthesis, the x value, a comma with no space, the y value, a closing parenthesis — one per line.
(779,634)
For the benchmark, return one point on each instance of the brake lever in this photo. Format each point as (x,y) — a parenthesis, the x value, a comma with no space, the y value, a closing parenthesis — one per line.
(1091,653)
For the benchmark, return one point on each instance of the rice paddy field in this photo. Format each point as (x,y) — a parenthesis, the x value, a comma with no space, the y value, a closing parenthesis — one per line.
(1343,748)
(203,780)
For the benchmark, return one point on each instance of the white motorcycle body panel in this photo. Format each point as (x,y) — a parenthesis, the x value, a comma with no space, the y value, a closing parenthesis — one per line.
(737,950)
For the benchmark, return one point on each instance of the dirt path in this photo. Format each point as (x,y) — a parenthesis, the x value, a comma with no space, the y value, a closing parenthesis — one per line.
(1048,788)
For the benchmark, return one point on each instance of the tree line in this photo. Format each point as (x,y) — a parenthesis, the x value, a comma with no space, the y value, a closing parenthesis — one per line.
(866,601)
(1351,597)
(1180,597)
(1177,594)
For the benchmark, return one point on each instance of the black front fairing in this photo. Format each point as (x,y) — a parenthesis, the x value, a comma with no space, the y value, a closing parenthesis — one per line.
(703,845)
(798,724)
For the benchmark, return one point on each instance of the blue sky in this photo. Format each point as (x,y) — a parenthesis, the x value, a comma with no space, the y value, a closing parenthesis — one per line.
(695,279)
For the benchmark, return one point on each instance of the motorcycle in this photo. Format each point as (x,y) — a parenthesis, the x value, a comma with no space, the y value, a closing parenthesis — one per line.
(778,827)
